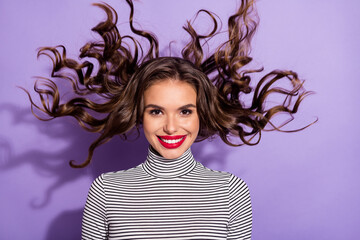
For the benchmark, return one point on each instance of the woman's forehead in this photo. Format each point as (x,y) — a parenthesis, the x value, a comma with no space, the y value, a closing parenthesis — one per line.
(170,93)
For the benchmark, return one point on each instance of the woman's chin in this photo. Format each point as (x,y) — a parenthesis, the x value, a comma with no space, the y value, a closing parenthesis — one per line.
(171,153)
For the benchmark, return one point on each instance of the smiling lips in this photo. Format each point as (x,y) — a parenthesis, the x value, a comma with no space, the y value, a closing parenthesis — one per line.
(171,141)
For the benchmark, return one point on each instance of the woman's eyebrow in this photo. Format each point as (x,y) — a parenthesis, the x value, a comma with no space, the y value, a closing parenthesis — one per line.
(187,106)
(153,106)
(159,107)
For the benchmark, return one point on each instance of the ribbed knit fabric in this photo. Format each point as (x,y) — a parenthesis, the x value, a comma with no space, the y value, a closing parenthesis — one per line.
(168,199)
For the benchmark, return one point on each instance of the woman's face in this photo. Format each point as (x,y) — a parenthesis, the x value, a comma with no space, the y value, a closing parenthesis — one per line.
(170,120)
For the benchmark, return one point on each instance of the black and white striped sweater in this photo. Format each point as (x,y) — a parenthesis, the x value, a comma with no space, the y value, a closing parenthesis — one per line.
(168,199)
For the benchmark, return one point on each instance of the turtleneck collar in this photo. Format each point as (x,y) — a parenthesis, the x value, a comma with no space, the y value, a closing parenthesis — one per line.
(161,167)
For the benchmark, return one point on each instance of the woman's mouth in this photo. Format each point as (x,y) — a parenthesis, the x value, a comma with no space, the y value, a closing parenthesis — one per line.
(171,141)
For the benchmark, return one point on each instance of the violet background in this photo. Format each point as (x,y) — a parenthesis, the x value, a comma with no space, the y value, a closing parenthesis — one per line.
(303,185)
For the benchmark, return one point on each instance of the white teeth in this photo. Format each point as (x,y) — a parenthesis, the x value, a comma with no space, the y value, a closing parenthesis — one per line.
(172,141)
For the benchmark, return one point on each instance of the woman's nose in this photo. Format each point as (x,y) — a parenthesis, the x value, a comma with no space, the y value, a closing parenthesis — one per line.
(171,125)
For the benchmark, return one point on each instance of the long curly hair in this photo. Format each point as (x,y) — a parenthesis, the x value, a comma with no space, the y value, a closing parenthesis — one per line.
(109,98)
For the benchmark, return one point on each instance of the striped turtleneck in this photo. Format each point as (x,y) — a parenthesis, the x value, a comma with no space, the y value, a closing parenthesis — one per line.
(158,166)
(168,199)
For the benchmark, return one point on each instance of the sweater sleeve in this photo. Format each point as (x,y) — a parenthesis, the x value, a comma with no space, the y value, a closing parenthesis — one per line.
(240,220)
(94,222)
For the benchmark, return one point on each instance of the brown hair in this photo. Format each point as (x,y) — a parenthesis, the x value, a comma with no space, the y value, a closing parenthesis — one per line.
(125,72)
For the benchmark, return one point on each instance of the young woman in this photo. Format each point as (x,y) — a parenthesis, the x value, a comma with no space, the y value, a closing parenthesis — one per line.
(176,101)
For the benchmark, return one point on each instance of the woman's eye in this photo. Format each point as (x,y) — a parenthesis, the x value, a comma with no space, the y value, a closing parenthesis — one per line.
(186,112)
(155,112)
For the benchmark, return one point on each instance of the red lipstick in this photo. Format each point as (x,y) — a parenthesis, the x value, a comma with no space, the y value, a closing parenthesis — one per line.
(171,142)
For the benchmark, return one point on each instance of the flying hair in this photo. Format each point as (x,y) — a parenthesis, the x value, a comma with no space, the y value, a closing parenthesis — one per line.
(125,70)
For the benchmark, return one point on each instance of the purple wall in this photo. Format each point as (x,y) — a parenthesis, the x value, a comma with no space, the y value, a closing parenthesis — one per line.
(303,185)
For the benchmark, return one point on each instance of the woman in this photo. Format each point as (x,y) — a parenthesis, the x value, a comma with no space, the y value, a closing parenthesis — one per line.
(170,195)
(176,101)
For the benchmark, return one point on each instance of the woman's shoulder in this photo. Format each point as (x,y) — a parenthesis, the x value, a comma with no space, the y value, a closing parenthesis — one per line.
(120,175)
(230,177)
